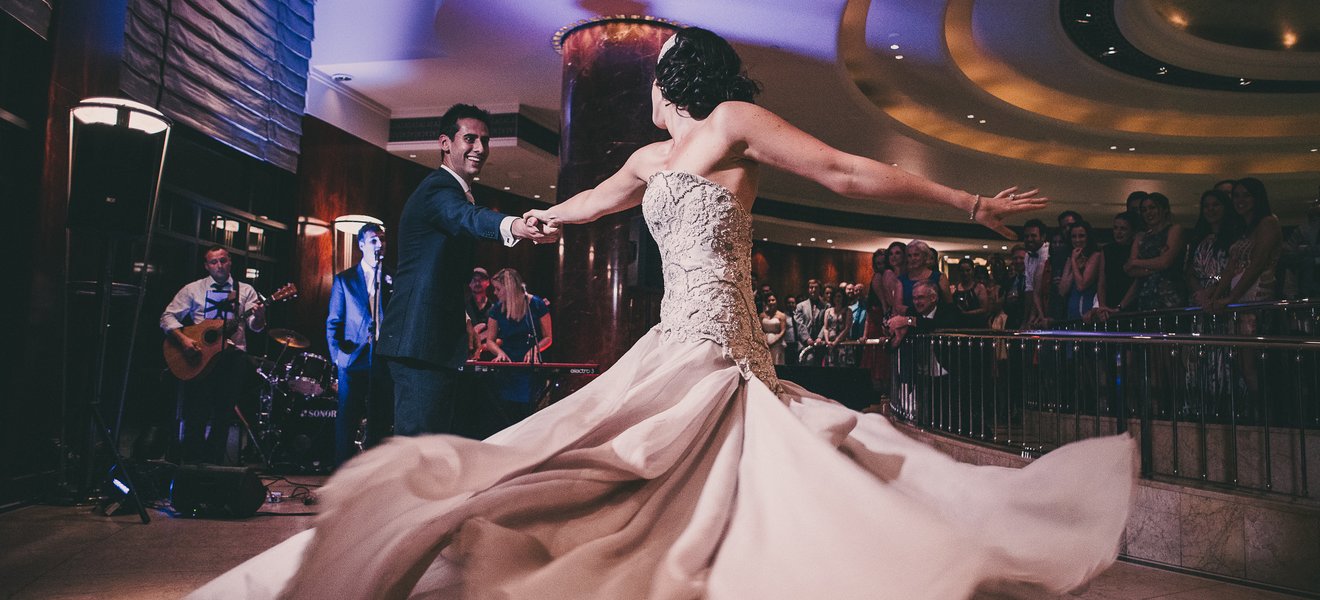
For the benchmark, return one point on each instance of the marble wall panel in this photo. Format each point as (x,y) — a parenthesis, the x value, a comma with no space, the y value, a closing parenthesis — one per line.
(1213,535)
(1282,547)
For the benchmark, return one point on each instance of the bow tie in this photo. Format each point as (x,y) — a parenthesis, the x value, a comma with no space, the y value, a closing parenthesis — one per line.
(219,287)
(1032,254)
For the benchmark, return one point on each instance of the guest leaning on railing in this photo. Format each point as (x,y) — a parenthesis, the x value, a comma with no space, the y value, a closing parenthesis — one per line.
(1253,258)
(1218,227)
(1156,260)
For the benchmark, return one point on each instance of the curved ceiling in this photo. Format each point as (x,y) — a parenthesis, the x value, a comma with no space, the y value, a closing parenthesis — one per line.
(977,94)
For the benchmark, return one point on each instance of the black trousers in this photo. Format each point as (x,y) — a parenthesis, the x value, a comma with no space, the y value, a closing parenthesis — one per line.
(210,400)
(424,397)
(364,391)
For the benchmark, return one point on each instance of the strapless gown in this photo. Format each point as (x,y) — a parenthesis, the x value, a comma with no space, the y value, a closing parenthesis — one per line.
(688,470)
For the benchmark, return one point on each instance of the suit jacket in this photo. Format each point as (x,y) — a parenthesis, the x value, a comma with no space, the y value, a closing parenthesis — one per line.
(424,321)
(809,320)
(349,326)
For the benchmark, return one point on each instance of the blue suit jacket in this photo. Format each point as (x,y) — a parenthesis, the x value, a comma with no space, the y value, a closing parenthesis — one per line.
(425,321)
(348,327)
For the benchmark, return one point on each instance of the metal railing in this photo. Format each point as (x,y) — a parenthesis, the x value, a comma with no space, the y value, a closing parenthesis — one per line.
(1271,318)
(1233,411)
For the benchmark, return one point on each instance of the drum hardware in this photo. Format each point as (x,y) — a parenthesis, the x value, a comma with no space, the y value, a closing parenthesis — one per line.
(309,374)
(289,337)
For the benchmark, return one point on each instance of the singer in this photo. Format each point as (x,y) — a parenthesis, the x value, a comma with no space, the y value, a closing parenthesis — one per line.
(357,299)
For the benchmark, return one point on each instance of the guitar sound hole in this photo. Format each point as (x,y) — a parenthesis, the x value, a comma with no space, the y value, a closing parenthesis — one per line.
(211,336)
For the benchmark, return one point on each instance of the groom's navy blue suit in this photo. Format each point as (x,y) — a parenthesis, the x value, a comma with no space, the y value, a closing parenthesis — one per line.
(424,332)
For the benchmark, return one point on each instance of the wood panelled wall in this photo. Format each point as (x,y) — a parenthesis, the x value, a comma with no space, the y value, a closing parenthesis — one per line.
(787,268)
(340,174)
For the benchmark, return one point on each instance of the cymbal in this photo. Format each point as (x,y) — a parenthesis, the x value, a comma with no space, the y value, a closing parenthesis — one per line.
(289,338)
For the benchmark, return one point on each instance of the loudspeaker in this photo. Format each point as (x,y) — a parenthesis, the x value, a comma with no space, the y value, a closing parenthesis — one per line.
(223,492)
(112,181)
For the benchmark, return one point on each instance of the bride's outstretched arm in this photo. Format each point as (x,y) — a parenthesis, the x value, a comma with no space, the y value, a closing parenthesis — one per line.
(620,191)
(767,139)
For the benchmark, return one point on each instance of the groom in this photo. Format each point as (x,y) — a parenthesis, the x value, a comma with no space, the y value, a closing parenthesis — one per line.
(423,334)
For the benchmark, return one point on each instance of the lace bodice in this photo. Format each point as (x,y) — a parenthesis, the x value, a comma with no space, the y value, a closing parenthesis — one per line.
(705,240)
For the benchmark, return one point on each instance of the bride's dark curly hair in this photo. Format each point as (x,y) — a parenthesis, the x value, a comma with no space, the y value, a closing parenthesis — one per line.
(700,71)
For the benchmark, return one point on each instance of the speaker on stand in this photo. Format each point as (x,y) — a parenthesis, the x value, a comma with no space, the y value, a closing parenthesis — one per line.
(116,157)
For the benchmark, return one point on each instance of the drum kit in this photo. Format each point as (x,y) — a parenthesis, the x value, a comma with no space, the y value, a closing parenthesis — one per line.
(297,404)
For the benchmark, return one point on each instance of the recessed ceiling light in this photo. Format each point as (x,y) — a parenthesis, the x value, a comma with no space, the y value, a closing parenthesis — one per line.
(893,164)
(982,121)
(813,239)
(799,243)
(1244,81)
(412,156)
(971,116)
(967,256)
(898,57)
(985,246)
(765,239)
(1162,71)
(1132,149)
(506,188)
(1289,39)
(537,196)
(893,46)
(552,187)
(1315,149)
(476,179)
(828,241)
(1113,147)
(1003,247)
(342,77)
(1110,52)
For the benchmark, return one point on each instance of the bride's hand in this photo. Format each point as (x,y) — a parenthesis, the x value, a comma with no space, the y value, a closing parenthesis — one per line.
(994,209)
(542,218)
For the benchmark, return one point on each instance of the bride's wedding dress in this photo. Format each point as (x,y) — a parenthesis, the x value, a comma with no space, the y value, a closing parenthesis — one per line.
(688,470)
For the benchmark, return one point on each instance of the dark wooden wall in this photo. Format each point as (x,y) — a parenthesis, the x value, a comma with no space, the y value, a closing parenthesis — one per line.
(787,268)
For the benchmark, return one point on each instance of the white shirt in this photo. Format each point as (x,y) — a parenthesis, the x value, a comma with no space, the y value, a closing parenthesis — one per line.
(196,302)
(506,226)
(1036,266)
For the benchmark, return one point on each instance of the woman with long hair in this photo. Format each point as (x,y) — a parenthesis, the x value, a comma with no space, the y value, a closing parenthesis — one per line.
(838,322)
(892,283)
(1218,227)
(1083,273)
(1254,257)
(689,469)
(518,330)
(971,297)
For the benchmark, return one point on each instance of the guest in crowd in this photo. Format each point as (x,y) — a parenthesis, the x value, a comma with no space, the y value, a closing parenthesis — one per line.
(477,304)
(1083,272)
(1038,253)
(838,322)
(919,269)
(810,317)
(1156,260)
(1017,298)
(791,344)
(1225,185)
(518,330)
(1117,252)
(1216,229)
(774,324)
(1055,304)
(1252,259)
(896,255)
(970,297)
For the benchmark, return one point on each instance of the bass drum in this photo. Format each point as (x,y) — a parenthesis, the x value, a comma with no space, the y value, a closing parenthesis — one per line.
(306,433)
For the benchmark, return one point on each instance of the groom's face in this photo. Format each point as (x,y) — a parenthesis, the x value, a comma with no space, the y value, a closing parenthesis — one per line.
(466,153)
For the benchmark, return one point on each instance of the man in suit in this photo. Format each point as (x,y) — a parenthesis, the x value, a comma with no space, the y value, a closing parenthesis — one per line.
(357,298)
(809,318)
(424,332)
(929,366)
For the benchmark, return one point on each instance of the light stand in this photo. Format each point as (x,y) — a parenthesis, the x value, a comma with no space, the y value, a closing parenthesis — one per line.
(116,158)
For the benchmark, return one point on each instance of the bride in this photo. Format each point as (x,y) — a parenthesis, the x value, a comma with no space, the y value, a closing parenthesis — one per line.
(688,470)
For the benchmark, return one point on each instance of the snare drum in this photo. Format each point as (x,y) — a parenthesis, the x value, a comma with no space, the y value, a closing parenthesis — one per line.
(309,374)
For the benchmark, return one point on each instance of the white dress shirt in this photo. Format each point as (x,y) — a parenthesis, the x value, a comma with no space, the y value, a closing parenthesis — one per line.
(192,305)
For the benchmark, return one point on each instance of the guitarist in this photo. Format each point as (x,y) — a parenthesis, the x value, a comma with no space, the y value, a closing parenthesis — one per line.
(212,397)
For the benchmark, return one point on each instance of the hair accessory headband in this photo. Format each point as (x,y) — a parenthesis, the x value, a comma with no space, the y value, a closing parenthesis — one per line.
(668,45)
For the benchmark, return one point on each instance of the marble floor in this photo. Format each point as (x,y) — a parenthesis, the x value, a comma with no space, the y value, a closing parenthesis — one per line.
(57,552)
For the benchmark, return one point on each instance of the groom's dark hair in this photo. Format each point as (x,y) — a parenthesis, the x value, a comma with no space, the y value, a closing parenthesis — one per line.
(449,120)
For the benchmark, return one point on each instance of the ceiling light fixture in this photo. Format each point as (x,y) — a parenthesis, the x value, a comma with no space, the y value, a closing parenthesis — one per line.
(506,188)
(898,57)
(412,156)
(829,241)
(1110,52)
(813,239)
(893,46)
(1244,81)
(982,121)
(1113,147)
(971,116)
(1162,71)
(1132,149)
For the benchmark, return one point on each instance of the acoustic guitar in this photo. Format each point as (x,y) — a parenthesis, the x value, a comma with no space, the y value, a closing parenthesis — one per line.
(187,365)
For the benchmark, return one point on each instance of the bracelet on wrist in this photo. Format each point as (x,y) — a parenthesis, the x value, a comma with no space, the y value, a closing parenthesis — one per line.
(976,205)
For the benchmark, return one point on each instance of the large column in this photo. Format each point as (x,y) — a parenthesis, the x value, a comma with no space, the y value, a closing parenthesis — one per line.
(609,66)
